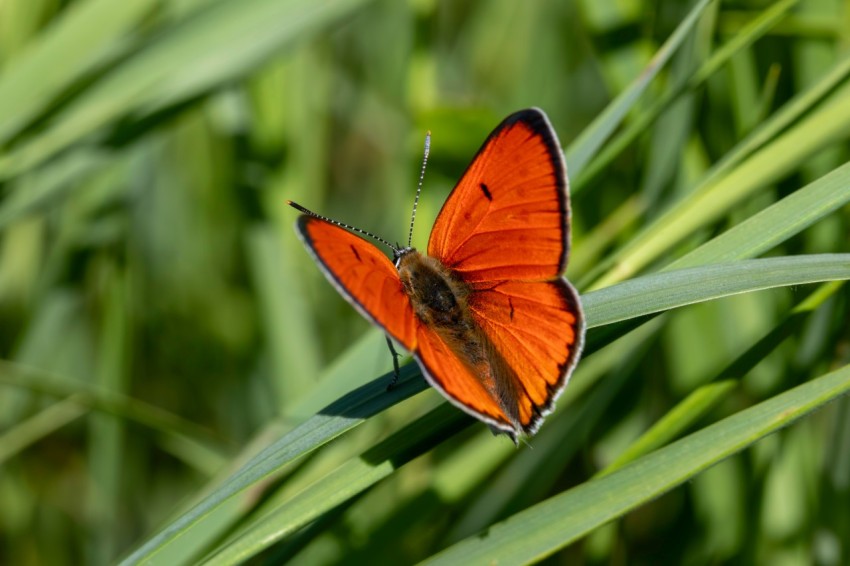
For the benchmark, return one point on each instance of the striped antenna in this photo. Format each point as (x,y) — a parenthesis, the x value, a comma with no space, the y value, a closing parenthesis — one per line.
(419,188)
(308,212)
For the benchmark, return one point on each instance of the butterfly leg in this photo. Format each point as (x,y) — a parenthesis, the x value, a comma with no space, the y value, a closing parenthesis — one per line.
(396,356)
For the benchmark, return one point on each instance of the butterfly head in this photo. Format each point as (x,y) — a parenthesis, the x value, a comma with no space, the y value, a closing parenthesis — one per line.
(399,252)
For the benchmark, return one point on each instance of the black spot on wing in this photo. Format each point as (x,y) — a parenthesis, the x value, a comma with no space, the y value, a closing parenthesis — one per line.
(511,304)
(486,190)
(357,255)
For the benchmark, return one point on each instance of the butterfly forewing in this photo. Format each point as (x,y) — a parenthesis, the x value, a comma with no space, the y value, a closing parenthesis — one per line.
(508,217)
(363,275)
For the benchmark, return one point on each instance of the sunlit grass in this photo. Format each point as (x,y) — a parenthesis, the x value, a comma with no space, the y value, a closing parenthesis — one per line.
(178,380)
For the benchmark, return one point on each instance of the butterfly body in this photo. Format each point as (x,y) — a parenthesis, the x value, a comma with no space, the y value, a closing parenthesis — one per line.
(486,313)
(439,299)
(437,296)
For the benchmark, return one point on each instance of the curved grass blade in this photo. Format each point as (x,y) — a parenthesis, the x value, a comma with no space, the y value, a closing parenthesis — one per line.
(220,42)
(342,415)
(77,38)
(591,139)
(700,401)
(774,224)
(539,531)
(825,125)
(342,484)
(40,425)
(671,289)
(754,30)
(108,402)
(620,302)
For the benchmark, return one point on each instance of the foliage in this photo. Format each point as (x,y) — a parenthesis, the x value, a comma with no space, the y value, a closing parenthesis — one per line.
(179,383)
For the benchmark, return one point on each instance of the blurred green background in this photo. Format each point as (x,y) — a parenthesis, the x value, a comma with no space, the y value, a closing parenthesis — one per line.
(159,320)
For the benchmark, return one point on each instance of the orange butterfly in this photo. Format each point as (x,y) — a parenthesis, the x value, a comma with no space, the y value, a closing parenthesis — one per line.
(486,314)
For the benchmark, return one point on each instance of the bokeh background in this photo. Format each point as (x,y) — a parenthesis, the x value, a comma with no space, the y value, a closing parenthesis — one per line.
(159,320)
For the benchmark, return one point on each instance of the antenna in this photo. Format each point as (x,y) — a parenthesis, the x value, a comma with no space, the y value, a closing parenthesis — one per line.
(419,188)
(308,212)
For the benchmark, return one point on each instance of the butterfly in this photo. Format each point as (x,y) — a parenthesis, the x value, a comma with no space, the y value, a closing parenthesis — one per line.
(486,313)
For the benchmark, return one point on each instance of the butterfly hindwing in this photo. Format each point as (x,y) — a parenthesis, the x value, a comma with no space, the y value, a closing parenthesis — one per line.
(444,370)
(538,330)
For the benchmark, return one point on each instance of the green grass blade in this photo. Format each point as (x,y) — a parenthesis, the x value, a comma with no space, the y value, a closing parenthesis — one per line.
(40,425)
(824,126)
(351,478)
(775,224)
(663,291)
(346,413)
(50,183)
(534,473)
(553,524)
(753,31)
(583,148)
(292,342)
(783,118)
(627,300)
(77,40)
(223,41)
(106,433)
(703,399)
(344,374)
(108,402)
(684,414)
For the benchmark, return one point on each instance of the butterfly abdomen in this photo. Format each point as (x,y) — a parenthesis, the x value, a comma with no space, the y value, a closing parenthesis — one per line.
(440,301)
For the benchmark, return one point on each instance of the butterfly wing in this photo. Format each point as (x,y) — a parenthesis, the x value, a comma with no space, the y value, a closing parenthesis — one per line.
(537,328)
(504,231)
(462,388)
(369,281)
(508,217)
(363,275)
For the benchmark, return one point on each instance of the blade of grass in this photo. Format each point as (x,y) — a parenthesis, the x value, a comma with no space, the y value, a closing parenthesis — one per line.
(221,41)
(343,483)
(649,294)
(40,425)
(292,340)
(47,185)
(106,443)
(530,476)
(684,414)
(77,39)
(663,291)
(539,531)
(109,402)
(703,399)
(342,415)
(670,133)
(825,125)
(784,118)
(754,30)
(775,224)
(584,147)
(340,376)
